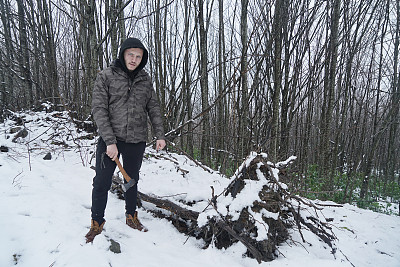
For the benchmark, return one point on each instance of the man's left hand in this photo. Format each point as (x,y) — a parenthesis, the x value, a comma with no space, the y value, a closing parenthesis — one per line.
(160,144)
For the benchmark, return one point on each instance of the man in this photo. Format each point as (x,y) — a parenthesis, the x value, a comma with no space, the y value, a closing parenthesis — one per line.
(123,96)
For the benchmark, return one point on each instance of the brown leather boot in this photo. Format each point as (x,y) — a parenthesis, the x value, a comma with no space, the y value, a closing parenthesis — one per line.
(134,222)
(95,229)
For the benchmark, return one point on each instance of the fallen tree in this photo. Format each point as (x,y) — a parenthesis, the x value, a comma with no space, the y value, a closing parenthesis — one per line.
(255,209)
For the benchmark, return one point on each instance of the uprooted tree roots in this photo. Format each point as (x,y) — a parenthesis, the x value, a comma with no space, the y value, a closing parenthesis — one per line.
(255,209)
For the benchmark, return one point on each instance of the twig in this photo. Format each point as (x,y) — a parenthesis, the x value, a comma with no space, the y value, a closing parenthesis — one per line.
(51,126)
(14,179)
(347,258)
(300,200)
(29,157)
(163,157)
(259,222)
(329,205)
(192,159)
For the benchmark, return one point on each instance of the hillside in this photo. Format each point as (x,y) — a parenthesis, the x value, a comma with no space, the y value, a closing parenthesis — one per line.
(45,210)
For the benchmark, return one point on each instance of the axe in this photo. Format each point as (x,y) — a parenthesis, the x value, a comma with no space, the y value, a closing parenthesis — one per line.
(130,182)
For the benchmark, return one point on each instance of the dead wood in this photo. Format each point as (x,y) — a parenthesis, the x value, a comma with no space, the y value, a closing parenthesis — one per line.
(170,206)
(255,209)
(244,239)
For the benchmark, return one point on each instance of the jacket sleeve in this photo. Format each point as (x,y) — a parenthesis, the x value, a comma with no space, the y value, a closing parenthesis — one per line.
(100,109)
(153,109)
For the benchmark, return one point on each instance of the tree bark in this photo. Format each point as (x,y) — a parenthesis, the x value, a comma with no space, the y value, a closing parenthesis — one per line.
(187,102)
(8,92)
(50,57)
(221,81)
(329,93)
(243,101)
(24,54)
(203,62)
(276,97)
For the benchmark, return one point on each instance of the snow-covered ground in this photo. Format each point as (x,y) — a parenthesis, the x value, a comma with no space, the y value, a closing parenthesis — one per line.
(45,212)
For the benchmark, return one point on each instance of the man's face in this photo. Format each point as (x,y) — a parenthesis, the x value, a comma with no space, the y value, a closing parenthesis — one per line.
(133,57)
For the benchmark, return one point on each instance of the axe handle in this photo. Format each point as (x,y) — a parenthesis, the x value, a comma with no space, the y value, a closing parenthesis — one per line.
(121,169)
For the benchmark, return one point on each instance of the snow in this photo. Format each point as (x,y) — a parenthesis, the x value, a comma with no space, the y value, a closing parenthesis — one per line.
(45,212)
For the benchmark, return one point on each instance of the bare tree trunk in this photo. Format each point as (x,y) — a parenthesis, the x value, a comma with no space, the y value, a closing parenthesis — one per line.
(9,55)
(221,82)
(276,97)
(77,46)
(89,50)
(3,90)
(121,20)
(284,115)
(24,54)
(187,102)
(112,20)
(46,22)
(36,52)
(329,92)
(243,102)
(203,61)
(159,71)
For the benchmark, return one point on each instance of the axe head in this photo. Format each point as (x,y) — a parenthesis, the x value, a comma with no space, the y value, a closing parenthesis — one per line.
(128,185)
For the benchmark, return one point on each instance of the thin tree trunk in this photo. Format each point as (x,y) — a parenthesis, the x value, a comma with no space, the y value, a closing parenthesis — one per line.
(187,105)
(24,53)
(159,72)
(36,51)
(329,94)
(205,137)
(243,102)
(9,55)
(112,20)
(221,81)
(121,21)
(276,97)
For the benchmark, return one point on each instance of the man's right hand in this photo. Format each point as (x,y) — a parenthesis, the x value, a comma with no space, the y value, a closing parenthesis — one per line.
(112,151)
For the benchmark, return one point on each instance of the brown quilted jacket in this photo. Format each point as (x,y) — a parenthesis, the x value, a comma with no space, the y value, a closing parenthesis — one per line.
(120,106)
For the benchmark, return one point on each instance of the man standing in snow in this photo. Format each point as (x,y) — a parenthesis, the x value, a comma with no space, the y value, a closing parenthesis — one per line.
(123,97)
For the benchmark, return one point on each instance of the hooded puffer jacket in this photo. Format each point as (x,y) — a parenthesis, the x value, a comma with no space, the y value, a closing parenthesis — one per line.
(122,100)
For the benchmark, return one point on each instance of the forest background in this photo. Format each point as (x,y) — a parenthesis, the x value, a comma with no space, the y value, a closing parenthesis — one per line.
(316,79)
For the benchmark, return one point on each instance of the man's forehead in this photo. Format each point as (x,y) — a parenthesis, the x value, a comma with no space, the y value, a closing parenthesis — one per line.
(134,50)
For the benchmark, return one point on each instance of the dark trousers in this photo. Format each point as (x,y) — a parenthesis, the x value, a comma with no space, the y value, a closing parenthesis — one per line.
(132,155)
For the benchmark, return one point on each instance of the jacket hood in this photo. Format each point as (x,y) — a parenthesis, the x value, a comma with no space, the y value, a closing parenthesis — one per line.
(131,43)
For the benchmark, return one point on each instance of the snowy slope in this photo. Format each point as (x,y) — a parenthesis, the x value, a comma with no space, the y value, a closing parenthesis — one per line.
(45,212)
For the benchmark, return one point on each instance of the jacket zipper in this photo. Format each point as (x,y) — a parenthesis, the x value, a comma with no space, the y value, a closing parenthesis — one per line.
(130,84)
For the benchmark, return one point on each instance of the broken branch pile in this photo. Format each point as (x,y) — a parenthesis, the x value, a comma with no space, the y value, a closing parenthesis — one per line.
(255,209)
